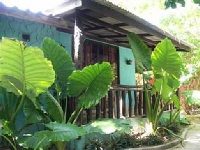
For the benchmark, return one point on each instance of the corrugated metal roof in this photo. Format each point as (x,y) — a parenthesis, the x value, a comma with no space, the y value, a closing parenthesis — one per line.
(35,6)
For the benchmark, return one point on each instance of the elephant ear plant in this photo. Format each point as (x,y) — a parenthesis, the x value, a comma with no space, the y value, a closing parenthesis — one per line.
(22,72)
(89,86)
(166,67)
(35,76)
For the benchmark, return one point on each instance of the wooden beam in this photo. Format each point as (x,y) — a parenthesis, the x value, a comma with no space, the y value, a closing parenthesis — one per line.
(122,35)
(78,43)
(113,36)
(94,37)
(71,31)
(103,27)
(144,34)
(102,23)
(111,27)
(27,15)
(121,41)
(94,28)
(116,42)
(131,19)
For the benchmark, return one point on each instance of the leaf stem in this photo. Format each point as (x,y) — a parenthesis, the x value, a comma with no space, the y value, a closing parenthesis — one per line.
(75,115)
(18,107)
(24,86)
(7,139)
(65,112)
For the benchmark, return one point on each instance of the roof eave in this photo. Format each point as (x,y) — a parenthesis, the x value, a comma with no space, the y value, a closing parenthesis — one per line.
(124,15)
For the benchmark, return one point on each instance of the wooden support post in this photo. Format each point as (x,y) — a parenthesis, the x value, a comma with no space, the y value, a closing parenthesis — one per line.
(78,43)
(110,104)
(115,100)
(89,115)
(98,111)
(117,103)
(125,106)
(140,103)
(136,103)
(144,104)
(104,103)
(131,103)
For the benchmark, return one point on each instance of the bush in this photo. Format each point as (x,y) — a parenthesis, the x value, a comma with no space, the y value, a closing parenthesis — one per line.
(120,141)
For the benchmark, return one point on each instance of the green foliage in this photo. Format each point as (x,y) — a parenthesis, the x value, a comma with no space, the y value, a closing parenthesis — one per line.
(122,141)
(27,73)
(141,52)
(103,141)
(177,25)
(192,97)
(173,3)
(62,62)
(38,140)
(57,132)
(107,126)
(24,69)
(32,112)
(165,58)
(196,1)
(90,84)
(24,73)
(170,117)
(167,68)
(51,107)
(8,104)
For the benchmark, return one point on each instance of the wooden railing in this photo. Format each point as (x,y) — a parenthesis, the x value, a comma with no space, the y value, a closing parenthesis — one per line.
(120,102)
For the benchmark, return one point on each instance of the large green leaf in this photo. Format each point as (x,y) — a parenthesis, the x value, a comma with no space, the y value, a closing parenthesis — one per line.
(57,132)
(62,62)
(38,140)
(24,69)
(51,107)
(31,112)
(163,88)
(166,86)
(108,126)
(65,132)
(141,53)
(91,84)
(8,104)
(175,99)
(165,58)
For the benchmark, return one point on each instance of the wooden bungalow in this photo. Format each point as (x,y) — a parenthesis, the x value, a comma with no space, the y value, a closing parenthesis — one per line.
(98,29)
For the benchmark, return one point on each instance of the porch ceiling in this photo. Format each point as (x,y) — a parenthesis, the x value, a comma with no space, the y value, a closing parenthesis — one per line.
(103,21)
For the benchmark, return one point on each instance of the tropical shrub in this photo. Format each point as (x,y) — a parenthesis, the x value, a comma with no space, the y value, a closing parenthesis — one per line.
(192,97)
(172,117)
(30,78)
(166,66)
(122,141)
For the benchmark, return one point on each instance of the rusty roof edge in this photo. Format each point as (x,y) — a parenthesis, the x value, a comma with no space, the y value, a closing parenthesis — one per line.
(73,3)
(182,44)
